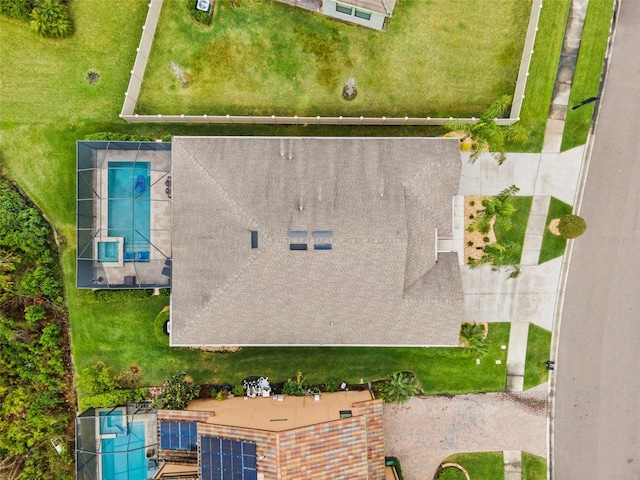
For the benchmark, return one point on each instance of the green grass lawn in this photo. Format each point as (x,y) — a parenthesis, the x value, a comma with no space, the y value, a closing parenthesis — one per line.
(122,333)
(519,225)
(533,467)
(553,246)
(438,58)
(538,351)
(482,465)
(46,106)
(586,81)
(542,73)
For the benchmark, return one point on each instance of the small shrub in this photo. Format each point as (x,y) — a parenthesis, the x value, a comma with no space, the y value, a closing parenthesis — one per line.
(571,226)
(472,203)
(34,314)
(470,243)
(291,387)
(220,396)
(472,216)
(486,239)
(50,18)
(238,390)
(332,385)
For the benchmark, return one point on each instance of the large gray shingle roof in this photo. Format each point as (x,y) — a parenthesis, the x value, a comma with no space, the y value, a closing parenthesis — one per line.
(381,199)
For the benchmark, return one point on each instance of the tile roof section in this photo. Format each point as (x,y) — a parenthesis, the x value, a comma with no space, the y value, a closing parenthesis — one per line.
(381,199)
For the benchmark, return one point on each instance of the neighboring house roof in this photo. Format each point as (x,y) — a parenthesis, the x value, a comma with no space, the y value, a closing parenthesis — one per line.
(297,437)
(385,7)
(380,200)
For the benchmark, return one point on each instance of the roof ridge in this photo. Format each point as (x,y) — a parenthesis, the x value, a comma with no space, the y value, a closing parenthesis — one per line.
(237,207)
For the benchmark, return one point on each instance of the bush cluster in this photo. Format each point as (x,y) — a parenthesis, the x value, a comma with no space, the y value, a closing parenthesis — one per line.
(50,18)
(103,388)
(119,137)
(36,389)
(125,295)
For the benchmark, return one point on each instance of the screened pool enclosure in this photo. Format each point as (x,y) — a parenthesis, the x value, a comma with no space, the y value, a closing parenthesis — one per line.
(123,214)
(117,443)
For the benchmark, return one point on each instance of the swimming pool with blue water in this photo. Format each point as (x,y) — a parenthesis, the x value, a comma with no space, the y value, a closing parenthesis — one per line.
(123,457)
(129,213)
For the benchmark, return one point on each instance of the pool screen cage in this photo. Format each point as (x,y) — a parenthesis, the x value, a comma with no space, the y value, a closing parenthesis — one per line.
(123,214)
(118,443)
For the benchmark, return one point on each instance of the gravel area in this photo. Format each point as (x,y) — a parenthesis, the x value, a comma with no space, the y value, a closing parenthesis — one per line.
(426,430)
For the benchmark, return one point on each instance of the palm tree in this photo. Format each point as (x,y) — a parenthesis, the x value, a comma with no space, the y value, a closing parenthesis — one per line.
(474,335)
(497,255)
(398,388)
(499,207)
(486,135)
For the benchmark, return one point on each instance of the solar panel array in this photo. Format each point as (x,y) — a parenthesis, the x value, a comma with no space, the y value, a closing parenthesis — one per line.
(222,459)
(178,435)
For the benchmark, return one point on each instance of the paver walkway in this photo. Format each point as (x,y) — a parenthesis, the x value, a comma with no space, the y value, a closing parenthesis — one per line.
(426,430)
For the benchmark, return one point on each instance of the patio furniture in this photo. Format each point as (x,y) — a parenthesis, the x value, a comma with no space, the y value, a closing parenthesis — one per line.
(128,256)
(143,256)
(130,280)
(166,271)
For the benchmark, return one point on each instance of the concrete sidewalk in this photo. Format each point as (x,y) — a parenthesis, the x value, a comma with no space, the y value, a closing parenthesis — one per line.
(530,298)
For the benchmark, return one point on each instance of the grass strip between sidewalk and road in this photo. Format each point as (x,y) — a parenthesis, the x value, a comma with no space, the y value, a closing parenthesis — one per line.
(586,80)
(533,467)
(553,245)
(538,351)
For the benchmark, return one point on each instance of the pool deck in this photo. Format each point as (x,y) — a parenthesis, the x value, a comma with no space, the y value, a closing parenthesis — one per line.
(146,273)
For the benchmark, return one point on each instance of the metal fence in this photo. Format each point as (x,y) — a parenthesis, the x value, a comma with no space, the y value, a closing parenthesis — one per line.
(146,41)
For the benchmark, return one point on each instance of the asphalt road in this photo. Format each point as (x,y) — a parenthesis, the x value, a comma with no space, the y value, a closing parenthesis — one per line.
(597,421)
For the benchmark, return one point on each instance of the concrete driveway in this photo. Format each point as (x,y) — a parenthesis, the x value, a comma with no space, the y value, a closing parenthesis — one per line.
(425,430)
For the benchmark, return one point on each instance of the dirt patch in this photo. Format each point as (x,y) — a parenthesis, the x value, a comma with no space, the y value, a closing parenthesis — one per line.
(474,242)
(553,226)
(92,77)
